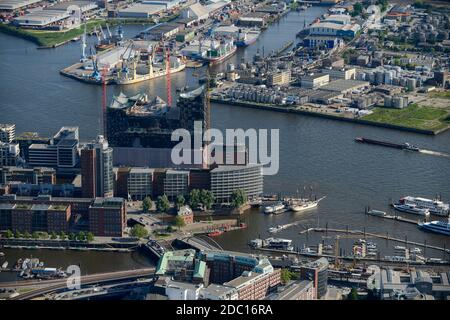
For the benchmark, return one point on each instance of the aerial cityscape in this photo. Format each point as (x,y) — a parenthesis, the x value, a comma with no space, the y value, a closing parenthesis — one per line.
(224,150)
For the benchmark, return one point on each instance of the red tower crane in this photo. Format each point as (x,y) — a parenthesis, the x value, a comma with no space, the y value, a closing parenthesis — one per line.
(104,72)
(168,81)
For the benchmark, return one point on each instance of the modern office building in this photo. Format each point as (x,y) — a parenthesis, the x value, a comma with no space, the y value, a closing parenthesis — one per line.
(317,272)
(34,217)
(226,179)
(108,217)
(26,139)
(7,132)
(60,152)
(97,175)
(43,155)
(140,183)
(9,154)
(176,182)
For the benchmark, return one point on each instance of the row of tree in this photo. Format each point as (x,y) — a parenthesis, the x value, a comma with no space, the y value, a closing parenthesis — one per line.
(80,236)
(196,198)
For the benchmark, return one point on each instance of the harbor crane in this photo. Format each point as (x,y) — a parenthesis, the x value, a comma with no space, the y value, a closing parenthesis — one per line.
(109,31)
(83,46)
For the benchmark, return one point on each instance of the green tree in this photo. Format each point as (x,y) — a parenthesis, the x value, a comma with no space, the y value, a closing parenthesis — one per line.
(285,275)
(27,235)
(194,198)
(53,235)
(169,228)
(163,203)
(238,198)
(139,231)
(72,236)
(206,198)
(353,295)
(89,237)
(62,235)
(180,201)
(179,222)
(147,204)
(43,235)
(357,9)
(17,234)
(81,236)
(9,234)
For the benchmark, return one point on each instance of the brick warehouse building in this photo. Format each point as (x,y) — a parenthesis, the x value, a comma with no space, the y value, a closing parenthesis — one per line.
(108,217)
(35,217)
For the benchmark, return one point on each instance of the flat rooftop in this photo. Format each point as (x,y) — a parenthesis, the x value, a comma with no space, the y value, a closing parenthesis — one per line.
(16,4)
(343,85)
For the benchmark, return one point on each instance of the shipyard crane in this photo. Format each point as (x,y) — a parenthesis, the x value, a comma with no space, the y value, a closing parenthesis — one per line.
(109,31)
(83,46)
(102,33)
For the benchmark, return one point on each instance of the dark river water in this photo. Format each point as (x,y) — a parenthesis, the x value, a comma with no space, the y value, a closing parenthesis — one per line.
(314,152)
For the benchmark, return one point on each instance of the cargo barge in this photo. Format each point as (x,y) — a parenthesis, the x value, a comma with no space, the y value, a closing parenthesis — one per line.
(403,146)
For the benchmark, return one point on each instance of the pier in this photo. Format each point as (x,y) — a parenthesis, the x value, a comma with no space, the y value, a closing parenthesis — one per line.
(379,236)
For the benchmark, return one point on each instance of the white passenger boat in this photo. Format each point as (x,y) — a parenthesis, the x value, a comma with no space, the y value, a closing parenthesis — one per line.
(434,206)
(274,208)
(441,227)
(410,208)
(279,243)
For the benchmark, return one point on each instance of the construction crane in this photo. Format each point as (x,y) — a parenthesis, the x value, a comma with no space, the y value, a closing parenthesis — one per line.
(104,72)
(168,80)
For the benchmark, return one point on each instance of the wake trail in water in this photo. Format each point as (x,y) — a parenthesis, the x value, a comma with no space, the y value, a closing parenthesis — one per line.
(435,153)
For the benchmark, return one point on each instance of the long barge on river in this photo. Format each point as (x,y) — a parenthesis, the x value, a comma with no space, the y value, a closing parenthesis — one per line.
(403,146)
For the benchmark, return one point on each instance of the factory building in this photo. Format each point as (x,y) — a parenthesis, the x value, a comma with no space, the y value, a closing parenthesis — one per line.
(196,11)
(279,78)
(340,73)
(329,42)
(14,5)
(333,29)
(62,15)
(345,86)
(140,11)
(167,4)
(314,81)
(162,31)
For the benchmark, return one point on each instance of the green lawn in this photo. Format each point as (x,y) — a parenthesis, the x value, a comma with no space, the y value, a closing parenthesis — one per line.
(442,95)
(414,116)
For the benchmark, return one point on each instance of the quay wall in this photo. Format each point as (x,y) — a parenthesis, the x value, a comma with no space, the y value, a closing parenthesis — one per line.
(68,244)
(324,115)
